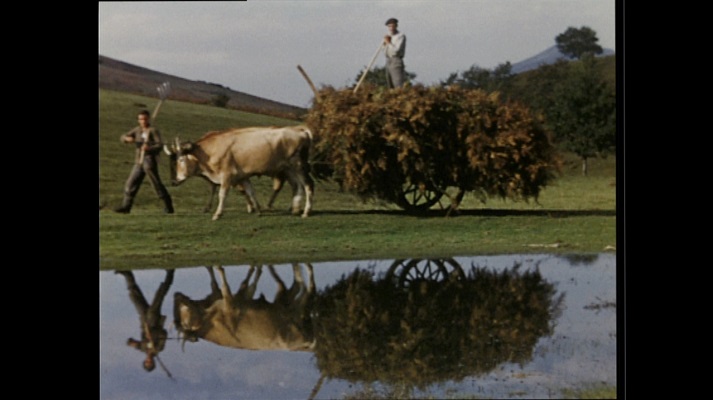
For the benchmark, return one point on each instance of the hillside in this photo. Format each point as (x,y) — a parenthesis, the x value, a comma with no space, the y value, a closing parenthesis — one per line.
(606,66)
(546,57)
(124,77)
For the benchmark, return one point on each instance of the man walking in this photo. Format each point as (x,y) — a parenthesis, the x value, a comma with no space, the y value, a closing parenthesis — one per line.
(148,147)
(395,46)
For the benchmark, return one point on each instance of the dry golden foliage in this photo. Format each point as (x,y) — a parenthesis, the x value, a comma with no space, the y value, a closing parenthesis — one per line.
(380,141)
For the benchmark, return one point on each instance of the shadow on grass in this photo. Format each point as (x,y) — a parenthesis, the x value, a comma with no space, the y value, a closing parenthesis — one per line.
(475,213)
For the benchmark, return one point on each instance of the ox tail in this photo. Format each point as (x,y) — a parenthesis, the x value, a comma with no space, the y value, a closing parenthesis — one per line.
(309,133)
(306,146)
(304,161)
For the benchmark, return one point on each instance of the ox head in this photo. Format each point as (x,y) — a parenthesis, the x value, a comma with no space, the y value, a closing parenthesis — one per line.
(188,317)
(181,161)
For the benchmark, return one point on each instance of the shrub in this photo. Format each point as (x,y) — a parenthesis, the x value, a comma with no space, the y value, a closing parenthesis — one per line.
(220,100)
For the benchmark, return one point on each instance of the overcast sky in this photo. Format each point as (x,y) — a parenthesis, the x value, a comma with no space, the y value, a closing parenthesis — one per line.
(255,46)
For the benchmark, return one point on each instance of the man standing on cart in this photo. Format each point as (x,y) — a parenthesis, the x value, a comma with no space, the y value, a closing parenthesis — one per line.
(395,49)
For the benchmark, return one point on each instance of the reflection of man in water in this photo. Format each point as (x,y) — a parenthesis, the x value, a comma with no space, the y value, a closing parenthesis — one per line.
(153,335)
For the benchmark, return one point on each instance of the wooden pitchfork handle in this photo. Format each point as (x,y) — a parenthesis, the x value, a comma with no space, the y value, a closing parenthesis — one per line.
(366,71)
(163,90)
(309,82)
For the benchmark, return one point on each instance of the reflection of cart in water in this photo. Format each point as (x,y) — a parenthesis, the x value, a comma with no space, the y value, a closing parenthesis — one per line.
(407,273)
(426,321)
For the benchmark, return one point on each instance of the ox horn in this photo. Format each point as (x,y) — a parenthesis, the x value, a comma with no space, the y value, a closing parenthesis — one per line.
(173,149)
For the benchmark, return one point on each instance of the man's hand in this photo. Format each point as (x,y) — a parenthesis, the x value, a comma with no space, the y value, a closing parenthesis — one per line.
(387,39)
(128,139)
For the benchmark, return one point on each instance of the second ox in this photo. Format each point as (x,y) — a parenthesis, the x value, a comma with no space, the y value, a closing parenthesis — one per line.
(231,157)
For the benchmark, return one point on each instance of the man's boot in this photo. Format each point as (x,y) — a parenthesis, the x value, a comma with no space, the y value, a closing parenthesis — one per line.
(168,209)
(125,206)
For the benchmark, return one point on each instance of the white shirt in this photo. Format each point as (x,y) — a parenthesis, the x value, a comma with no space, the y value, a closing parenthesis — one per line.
(397,47)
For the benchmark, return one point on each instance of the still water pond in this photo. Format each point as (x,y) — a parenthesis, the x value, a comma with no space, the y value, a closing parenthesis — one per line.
(516,326)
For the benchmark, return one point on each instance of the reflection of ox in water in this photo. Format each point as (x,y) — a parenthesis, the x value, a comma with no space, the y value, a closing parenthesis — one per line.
(232,157)
(238,320)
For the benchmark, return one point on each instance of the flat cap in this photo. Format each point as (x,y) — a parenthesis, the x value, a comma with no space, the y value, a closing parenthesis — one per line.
(392,21)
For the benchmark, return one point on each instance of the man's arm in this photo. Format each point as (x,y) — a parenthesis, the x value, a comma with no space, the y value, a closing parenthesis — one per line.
(129,137)
(396,46)
(157,144)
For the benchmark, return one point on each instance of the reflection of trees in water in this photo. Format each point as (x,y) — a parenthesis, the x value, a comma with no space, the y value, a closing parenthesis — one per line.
(420,331)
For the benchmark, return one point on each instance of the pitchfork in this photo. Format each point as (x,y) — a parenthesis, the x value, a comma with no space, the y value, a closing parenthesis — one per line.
(163,90)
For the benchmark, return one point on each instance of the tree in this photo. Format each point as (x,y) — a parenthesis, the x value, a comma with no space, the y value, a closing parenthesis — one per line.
(583,113)
(536,88)
(575,43)
(220,100)
(377,76)
(480,78)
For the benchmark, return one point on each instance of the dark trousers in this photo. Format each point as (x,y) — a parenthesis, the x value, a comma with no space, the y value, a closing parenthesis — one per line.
(149,313)
(133,183)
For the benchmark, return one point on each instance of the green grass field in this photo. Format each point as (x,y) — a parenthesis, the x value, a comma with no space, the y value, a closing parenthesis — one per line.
(574,215)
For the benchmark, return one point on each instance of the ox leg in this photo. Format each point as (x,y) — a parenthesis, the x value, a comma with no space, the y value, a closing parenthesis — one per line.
(213,283)
(248,201)
(309,192)
(280,294)
(310,274)
(247,289)
(297,192)
(277,183)
(225,289)
(306,180)
(213,188)
(298,286)
(250,194)
(244,284)
(224,187)
(305,188)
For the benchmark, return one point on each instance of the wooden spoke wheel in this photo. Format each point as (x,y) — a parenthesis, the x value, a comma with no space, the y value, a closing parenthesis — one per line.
(418,198)
(406,273)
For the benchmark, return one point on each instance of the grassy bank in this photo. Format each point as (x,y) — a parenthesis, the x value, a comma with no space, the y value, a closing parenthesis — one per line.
(577,214)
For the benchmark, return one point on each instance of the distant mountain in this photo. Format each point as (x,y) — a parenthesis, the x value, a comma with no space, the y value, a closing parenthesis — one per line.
(124,77)
(549,56)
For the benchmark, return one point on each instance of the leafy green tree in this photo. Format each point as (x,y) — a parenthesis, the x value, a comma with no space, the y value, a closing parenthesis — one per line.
(536,88)
(583,113)
(220,100)
(480,78)
(501,76)
(377,76)
(576,43)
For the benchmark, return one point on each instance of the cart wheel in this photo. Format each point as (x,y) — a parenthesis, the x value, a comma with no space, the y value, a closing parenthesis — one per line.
(405,273)
(418,198)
